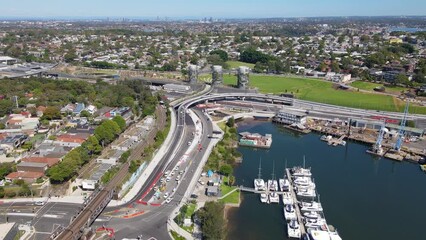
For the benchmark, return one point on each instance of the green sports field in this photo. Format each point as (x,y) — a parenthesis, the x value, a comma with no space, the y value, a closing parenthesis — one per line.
(236,64)
(370,87)
(322,91)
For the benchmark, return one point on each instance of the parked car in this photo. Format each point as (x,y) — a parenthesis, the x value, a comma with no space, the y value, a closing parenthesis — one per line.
(39,203)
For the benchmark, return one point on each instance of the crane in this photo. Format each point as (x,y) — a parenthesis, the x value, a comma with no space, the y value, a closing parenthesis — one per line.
(377,148)
(398,143)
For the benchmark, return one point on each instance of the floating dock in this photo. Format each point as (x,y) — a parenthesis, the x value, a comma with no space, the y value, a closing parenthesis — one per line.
(296,206)
(255,140)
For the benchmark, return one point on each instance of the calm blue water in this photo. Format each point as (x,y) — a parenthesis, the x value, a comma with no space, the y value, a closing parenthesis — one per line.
(363,197)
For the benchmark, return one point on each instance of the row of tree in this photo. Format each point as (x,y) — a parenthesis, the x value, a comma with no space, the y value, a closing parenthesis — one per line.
(105,133)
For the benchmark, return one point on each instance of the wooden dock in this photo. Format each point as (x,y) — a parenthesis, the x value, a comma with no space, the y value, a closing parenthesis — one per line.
(296,207)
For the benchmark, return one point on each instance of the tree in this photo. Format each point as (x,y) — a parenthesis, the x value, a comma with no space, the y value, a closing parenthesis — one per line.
(2,126)
(212,221)
(226,170)
(231,122)
(120,122)
(222,54)
(6,107)
(51,113)
(85,114)
(92,145)
(70,56)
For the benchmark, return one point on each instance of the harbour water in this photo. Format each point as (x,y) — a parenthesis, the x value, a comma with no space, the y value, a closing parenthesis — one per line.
(363,197)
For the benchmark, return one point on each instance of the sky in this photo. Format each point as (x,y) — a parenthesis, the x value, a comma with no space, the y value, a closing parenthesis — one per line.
(208,8)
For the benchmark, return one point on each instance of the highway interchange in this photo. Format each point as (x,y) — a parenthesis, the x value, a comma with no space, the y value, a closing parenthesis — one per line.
(152,224)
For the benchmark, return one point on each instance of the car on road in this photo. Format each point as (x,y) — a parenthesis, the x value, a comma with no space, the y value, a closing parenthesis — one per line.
(181,172)
(178,178)
(174,189)
(167,173)
(177,168)
(168,179)
(168,200)
(39,203)
(189,143)
(166,195)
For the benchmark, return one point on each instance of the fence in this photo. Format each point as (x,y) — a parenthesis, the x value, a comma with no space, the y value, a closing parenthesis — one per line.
(132,180)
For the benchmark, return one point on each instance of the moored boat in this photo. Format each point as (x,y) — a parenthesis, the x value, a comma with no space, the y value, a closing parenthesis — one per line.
(274,197)
(293,229)
(289,212)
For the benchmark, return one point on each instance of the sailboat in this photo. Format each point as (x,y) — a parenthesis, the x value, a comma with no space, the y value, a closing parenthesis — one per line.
(302,171)
(259,183)
(272,183)
(284,183)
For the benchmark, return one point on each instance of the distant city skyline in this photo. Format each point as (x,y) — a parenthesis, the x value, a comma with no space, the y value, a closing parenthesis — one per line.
(206,8)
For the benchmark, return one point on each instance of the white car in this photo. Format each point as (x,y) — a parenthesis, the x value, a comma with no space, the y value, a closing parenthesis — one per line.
(168,179)
(177,168)
(166,195)
(174,189)
(168,200)
(167,173)
(178,178)
(39,203)
(189,143)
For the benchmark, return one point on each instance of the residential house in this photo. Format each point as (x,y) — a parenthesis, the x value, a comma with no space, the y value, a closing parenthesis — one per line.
(32,167)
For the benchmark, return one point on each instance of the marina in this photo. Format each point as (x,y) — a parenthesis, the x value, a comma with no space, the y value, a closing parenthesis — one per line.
(304,215)
(335,171)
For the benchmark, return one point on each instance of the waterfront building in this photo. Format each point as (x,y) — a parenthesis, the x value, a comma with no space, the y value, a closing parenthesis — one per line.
(290,117)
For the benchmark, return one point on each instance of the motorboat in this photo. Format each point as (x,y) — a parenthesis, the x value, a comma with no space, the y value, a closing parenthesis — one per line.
(301,172)
(272,185)
(259,184)
(289,212)
(274,197)
(311,215)
(303,181)
(293,229)
(317,234)
(308,193)
(287,198)
(284,185)
(310,206)
(263,197)
(315,222)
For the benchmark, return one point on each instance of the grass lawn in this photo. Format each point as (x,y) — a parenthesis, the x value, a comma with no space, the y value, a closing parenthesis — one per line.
(236,64)
(322,91)
(370,87)
(225,189)
(191,210)
(176,236)
(37,137)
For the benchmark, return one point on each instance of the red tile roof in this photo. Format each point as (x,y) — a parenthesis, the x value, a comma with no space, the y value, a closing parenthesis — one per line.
(50,161)
(26,175)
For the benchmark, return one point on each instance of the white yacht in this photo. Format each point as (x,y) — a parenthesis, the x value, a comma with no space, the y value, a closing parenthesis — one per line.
(289,212)
(310,206)
(274,197)
(287,198)
(293,229)
(284,184)
(263,197)
(309,193)
(315,223)
(312,215)
(259,183)
(272,185)
(303,181)
(323,235)
(301,172)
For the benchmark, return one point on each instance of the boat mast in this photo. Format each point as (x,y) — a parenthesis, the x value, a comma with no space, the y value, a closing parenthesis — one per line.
(273,170)
(303,161)
(260,169)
